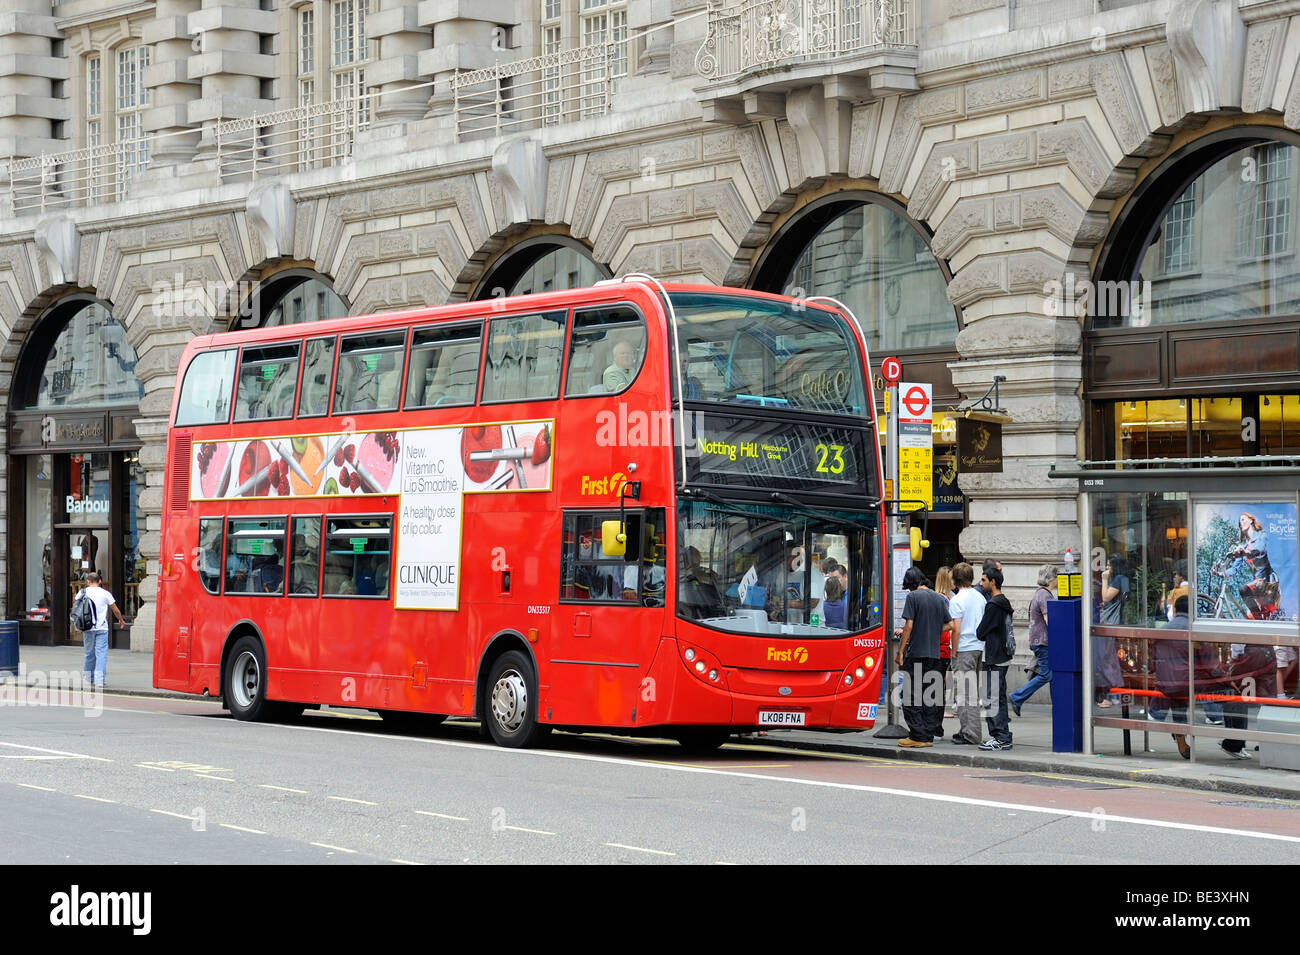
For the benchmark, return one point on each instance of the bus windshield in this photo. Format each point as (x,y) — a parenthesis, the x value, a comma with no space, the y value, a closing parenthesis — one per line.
(770,571)
(743,350)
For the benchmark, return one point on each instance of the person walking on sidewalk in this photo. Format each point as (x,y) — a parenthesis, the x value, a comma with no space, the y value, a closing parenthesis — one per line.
(96,638)
(967,609)
(993,632)
(1037,638)
(943,587)
(925,617)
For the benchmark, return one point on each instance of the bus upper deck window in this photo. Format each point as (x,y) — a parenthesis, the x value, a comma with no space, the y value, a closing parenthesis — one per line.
(317,371)
(523,357)
(267,380)
(444,366)
(607,352)
(370,373)
(205,392)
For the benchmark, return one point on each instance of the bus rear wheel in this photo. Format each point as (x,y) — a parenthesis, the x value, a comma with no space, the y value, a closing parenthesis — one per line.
(245,689)
(511,710)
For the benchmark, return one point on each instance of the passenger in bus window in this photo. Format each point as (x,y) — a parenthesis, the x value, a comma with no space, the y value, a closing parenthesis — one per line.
(620,374)
(268,571)
(700,592)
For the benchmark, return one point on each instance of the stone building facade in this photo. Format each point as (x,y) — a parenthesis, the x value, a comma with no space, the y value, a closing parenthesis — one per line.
(174,159)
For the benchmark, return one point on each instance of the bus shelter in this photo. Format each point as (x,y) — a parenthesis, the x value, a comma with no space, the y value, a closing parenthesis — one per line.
(1218,682)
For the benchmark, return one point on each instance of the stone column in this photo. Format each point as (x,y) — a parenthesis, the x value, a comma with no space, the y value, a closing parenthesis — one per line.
(27,74)
(464,38)
(396,69)
(657,16)
(174,89)
(230,66)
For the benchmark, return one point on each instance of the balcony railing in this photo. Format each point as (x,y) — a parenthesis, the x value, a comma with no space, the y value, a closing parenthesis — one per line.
(543,90)
(288,140)
(755,35)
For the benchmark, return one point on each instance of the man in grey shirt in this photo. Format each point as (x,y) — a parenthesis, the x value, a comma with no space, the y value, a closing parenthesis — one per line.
(925,617)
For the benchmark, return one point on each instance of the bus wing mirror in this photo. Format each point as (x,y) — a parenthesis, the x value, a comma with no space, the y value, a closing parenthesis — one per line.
(613,538)
(918,542)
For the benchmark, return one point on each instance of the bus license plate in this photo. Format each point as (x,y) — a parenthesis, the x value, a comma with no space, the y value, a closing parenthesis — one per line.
(780,718)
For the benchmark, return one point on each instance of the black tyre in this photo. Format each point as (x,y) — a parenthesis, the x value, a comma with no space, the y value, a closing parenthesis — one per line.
(703,740)
(1204,605)
(245,689)
(405,721)
(510,710)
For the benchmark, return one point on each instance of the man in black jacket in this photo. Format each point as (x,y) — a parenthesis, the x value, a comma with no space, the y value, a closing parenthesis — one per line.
(993,630)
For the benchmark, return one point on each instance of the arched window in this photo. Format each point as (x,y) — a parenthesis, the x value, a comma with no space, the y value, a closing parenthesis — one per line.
(544,264)
(291,297)
(78,357)
(1212,238)
(1191,348)
(864,251)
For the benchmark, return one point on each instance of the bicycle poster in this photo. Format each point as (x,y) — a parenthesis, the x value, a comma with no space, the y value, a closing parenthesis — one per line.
(1246,561)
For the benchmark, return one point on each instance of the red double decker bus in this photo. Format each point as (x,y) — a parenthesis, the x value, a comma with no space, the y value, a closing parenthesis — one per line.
(628,507)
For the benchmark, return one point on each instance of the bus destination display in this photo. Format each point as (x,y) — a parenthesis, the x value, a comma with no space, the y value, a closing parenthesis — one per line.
(799,455)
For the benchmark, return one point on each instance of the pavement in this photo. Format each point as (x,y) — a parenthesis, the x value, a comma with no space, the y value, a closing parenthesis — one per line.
(1155,760)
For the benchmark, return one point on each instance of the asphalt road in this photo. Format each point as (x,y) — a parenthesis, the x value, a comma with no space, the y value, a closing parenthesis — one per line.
(179,781)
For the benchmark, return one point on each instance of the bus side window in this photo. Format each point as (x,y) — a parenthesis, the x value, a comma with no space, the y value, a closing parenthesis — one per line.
(267,380)
(586,573)
(255,556)
(357,556)
(607,352)
(304,556)
(370,373)
(209,554)
(444,366)
(317,371)
(523,357)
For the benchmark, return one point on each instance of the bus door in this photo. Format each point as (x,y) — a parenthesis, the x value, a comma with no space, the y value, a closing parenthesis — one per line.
(609,619)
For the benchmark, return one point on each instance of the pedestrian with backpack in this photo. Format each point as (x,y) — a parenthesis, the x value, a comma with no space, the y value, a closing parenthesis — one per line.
(95,637)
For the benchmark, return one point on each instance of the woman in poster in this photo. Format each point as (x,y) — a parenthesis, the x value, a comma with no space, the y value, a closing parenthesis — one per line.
(1115,589)
(1261,592)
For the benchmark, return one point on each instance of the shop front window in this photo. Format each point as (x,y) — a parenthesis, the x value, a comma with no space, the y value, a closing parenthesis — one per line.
(1197,427)
(40,542)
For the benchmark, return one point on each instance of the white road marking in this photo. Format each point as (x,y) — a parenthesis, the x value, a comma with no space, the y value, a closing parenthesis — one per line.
(178,815)
(44,789)
(658,852)
(362,802)
(33,757)
(324,845)
(95,798)
(230,825)
(441,815)
(283,789)
(209,776)
(57,752)
(161,769)
(539,832)
(405,862)
(788,780)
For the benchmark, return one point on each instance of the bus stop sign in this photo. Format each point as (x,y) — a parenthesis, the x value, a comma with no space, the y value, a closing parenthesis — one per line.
(891,369)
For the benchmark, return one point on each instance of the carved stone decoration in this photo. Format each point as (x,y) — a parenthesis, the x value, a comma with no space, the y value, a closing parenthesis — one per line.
(1208,41)
(822,127)
(59,245)
(270,210)
(520,170)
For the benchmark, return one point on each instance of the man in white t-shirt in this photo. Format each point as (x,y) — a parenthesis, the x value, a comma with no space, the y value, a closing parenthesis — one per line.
(966,606)
(96,638)
(799,610)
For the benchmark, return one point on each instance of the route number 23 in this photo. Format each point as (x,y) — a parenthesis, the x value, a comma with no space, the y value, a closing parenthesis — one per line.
(830,459)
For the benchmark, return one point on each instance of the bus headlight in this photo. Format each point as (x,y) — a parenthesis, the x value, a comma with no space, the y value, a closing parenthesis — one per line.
(689,655)
(860,673)
(699,666)
(713,675)
(848,679)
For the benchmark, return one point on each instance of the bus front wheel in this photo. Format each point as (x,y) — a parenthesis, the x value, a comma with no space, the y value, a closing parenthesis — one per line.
(511,711)
(245,689)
